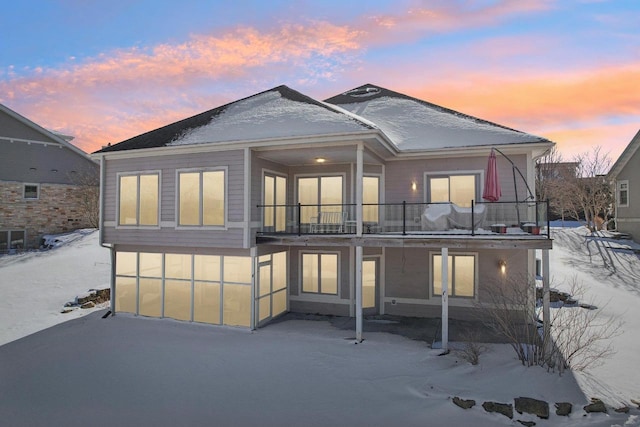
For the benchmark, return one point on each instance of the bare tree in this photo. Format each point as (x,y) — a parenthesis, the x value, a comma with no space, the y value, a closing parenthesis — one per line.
(579,337)
(88,189)
(552,172)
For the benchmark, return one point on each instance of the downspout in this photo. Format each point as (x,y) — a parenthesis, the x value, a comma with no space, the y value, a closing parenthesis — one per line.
(112,251)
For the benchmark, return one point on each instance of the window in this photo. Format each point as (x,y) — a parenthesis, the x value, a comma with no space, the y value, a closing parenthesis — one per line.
(138,199)
(370,198)
(201,198)
(320,273)
(11,241)
(275,194)
(623,193)
(31,191)
(462,275)
(458,189)
(322,192)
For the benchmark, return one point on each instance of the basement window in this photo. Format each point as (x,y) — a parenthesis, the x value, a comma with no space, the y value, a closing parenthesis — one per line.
(31,191)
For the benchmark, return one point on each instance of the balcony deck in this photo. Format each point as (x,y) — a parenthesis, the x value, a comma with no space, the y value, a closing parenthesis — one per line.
(412,225)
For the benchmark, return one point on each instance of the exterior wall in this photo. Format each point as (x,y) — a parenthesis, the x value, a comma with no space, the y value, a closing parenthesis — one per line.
(167,233)
(628,218)
(58,209)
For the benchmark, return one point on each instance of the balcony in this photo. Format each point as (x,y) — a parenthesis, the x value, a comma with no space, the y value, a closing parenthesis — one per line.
(518,220)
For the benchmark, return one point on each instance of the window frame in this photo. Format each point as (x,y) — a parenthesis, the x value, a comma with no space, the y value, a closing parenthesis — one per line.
(24,191)
(319,176)
(225,209)
(275,175)
(138,174)
(620,190)
(479,182)
(452,294)
(301,290)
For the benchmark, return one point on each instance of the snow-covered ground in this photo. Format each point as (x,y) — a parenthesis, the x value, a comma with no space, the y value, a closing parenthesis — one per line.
(138,371)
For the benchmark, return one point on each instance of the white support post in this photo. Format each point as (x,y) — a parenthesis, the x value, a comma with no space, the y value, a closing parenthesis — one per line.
(253,253)
(359,191)
(358,262)
(546,298)
(445,300)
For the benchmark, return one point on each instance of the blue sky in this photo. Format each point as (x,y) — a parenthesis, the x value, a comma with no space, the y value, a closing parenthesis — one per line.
(105,71)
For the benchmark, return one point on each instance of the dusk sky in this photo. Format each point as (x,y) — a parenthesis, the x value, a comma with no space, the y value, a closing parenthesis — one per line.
(104,71)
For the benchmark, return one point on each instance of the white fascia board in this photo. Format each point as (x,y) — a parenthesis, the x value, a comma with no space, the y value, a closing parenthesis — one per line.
(480,150)
(271,143)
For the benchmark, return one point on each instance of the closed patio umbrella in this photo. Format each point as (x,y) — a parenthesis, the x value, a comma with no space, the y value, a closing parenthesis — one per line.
(492,191)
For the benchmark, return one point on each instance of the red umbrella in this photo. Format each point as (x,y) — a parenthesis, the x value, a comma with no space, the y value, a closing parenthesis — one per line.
(492,191)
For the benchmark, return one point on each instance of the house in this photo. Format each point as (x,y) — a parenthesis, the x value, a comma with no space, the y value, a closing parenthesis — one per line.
(365,203)
(43,183)
(625,175)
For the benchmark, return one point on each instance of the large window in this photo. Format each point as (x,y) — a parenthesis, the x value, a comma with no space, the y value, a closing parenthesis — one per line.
(201,198)
(322,192)
(320,273)
(461,275)
(623,193)
(138,199)
(458,189)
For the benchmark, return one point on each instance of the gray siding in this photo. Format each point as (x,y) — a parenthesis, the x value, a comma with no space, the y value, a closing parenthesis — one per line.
(12,128)
(629,217)
(168,165)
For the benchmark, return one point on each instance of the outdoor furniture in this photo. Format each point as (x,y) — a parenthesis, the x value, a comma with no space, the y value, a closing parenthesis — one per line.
(444,216)
(328,222)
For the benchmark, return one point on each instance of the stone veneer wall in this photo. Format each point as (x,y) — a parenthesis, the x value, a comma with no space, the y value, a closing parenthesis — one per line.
(57,210)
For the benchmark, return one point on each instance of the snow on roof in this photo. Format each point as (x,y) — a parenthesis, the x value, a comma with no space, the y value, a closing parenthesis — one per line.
(270,115)
(414,125)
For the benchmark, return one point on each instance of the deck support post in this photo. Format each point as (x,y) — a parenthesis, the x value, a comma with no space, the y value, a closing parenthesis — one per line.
(546,301)
(445,300)
(358,262)
(359,190)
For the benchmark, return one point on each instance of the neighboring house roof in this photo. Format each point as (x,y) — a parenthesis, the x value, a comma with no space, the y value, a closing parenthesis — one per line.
(413,124)
(280,112)
(33,154)
(408,123)
(626,155)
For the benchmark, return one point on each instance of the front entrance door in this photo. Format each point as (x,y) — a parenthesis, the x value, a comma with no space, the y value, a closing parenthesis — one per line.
(370,288)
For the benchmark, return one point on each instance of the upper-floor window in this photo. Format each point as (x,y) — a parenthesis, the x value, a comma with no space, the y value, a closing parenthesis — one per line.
(370,198)
(319,192)
(623,193)
(138,199)
(31,191)
(461,274)
(459,189)
(275,199)
(201,198)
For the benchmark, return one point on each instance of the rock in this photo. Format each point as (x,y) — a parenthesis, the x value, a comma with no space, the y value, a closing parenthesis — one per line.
(622,410)
(501,408)
(563,408)
(86,298)
(464,404)
(66,310)
(596,405)
(69,304)
(532,406)
(527,423)
(88,304)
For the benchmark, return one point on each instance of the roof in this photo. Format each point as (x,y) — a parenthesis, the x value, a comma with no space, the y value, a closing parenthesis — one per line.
(626,155)
(276,113)
(408,123)
(414,124)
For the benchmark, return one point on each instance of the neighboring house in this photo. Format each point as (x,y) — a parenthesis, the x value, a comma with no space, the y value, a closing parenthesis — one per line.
(625,175)
(279,202)
(43,181)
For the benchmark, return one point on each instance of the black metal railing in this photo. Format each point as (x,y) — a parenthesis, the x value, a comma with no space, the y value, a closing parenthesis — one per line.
(477,218)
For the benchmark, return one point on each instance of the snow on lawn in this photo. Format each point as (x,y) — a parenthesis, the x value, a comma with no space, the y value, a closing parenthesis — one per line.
(609,271)
(34,286)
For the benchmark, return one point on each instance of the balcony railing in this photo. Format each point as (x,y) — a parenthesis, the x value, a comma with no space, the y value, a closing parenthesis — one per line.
(481,218)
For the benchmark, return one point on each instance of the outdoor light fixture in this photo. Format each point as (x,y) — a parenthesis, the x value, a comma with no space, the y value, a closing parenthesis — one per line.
(414,186)
(503,266)
(320,160)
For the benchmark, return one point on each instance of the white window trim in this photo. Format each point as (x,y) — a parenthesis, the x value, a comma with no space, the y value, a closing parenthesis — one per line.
(432,294)
(618,184)
(24,190)
(479,189)
(318,296)
(225,226)
(138,174)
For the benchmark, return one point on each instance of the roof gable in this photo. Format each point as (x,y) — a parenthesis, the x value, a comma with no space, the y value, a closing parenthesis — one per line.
(276,113)
(414,124)
(626,155)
